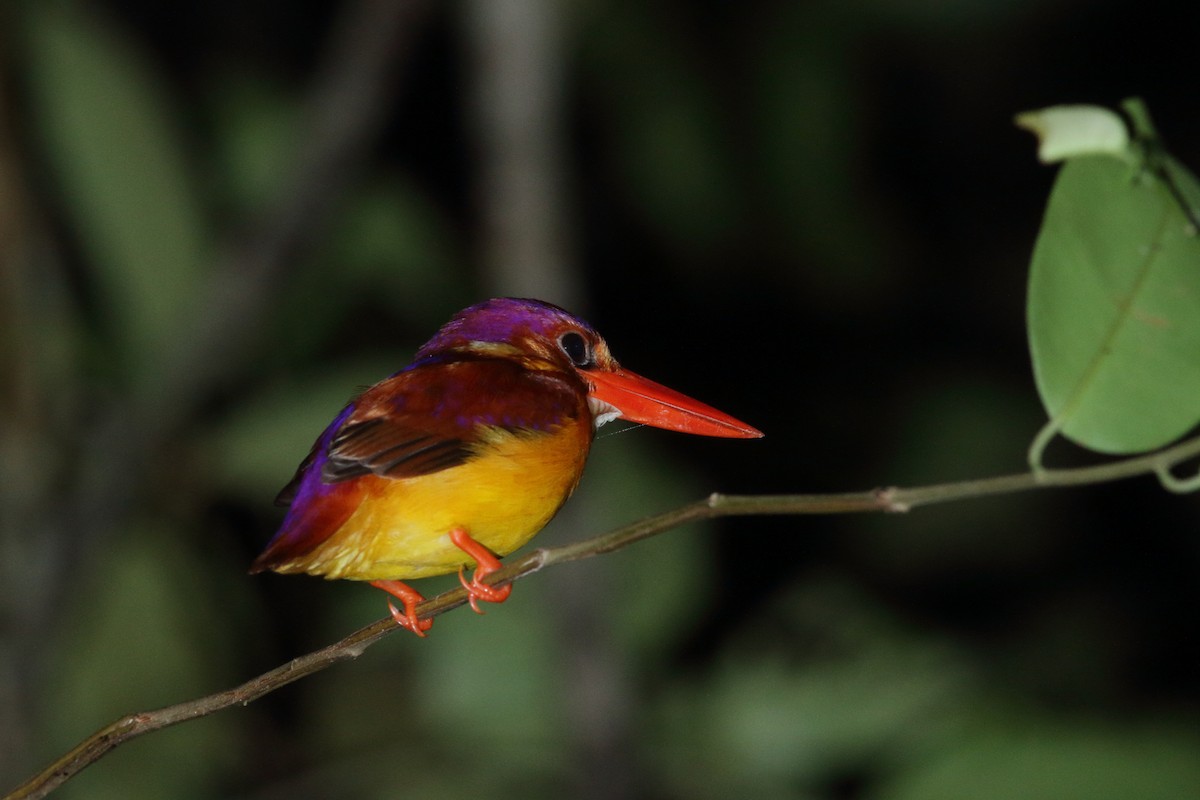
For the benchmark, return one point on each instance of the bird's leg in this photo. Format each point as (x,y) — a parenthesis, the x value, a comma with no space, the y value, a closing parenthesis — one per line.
(485,564)
(410,597)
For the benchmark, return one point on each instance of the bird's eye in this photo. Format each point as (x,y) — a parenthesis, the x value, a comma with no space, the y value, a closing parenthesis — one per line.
(576,348)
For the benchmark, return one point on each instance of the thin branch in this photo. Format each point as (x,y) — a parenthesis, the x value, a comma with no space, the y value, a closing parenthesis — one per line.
(122,730)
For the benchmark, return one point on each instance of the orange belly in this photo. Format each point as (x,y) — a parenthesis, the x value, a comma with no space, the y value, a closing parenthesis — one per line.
(502,497)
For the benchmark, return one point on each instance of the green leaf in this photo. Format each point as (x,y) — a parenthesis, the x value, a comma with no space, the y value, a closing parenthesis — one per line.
(121,171)
(1114,306)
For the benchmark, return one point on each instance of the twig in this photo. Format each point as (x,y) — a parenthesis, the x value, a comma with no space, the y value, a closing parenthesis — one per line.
(122,730)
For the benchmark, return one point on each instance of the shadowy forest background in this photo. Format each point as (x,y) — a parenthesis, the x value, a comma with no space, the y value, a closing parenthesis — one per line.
(217,219)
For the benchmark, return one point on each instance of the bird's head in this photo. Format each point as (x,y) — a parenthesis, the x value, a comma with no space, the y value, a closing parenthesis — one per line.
(543,336)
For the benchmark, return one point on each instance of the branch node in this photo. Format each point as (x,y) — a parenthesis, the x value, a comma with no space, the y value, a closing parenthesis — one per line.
(1173,483)
(538,559)
(886,497)
(357,650)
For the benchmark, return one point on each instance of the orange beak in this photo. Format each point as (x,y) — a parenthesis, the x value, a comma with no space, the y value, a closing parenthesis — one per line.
(638,399)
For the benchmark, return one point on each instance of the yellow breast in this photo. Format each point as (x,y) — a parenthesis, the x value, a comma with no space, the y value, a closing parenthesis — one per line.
(502,497)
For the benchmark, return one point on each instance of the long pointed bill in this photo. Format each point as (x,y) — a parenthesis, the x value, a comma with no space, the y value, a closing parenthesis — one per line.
(638,399)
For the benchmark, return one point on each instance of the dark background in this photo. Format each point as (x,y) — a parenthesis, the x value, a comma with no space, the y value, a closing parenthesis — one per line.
(217,219)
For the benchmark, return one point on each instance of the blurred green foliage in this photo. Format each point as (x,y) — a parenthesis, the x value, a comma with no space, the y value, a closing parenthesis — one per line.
(124,177)
(813,215)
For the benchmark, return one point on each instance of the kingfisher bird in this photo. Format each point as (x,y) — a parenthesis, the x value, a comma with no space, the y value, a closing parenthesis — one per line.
(465,454)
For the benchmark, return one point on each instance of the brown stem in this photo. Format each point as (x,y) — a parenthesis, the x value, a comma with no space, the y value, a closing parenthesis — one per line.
(99,743)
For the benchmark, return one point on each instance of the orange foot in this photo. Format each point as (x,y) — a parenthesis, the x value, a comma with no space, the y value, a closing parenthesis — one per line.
(410,597)
(485,564)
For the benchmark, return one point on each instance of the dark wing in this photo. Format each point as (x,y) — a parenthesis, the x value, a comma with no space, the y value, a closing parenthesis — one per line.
(391,448)
(387,430)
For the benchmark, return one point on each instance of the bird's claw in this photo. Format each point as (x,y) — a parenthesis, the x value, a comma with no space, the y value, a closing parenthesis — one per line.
(408,620)
(478,590)
(410,597)
(485,564)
